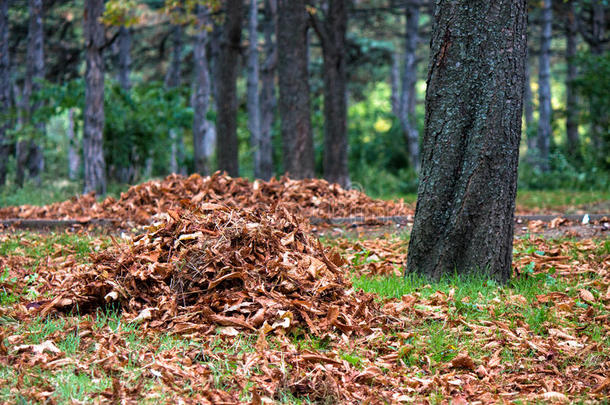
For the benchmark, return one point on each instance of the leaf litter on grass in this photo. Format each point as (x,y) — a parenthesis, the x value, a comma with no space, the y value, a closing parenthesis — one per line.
(226,300)
(138,205)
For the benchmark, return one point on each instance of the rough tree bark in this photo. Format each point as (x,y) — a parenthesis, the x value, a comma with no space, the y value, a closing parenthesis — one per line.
(544,88)
(5,90)
(294,104)
(201,93)
(125,40)
(268,100)
(331,31)
(466,198)
(573,140)
(29,153)
(253,103)
(93,130)
(226,122)
(73,153)
(409,79)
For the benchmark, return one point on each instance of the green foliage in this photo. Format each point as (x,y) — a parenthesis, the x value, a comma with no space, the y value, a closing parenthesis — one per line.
(563,174)
(138,123)
(378,160)
(593,84)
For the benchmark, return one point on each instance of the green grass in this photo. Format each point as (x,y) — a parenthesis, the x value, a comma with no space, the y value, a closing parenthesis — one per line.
(38,246)
(556,199)
(539,199)
(49,192)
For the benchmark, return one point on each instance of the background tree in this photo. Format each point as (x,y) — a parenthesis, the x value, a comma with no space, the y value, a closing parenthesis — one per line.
(466,198)
(201,93)
(331,29)
(294,104)
(253,104)
(571,28)
(173,79)
(125,41)
(29,152)
(93,150)
(5,90)
(409,78)
(226,122)
(268,99)
(544,88)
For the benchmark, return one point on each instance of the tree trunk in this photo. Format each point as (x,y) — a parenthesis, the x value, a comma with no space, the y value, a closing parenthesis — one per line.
(254,117)
(268,100)
(528,111)
(466,198)
(395,84)
(173,79)
(73,153)
(409,79)
(93,131)
(226,123)
(332,36)
(573,141)
(544,88)
(294,104)
(598,27)
(599,124)
(201,93)
(173,76)
(125,40)
(126,171)
(29,153)
(5,90)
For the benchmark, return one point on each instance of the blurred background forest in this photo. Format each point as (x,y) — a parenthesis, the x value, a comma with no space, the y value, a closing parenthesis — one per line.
(166,70)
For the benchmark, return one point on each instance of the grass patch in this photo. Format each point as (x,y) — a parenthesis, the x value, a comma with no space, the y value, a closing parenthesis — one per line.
(559,199)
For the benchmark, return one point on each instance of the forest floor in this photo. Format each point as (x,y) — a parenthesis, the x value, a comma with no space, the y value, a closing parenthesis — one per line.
(227,305)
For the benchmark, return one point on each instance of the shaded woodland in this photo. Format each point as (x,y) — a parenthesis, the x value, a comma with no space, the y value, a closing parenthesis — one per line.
(118,92)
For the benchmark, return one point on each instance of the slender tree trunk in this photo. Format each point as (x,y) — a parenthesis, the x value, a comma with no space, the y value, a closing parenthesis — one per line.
(93,131)
(5,90)
(73,152)
(598,27)
(599,124)
(125,40)
(126,171)
(544,88)
(173,79)
(226,124)
(573,141)
(201,93)
(332,36)
(466,198)
(294,104)
(29,153)
(268,100)
(528,110)
(409,79)
(395,83)
(254,117)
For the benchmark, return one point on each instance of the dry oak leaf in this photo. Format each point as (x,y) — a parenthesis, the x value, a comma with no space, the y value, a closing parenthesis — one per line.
(463,360)
(46,346)
(586,295)
(553,396)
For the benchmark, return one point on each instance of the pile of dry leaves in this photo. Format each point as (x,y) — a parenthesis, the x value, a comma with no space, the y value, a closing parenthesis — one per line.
(250,270)
(309,198)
